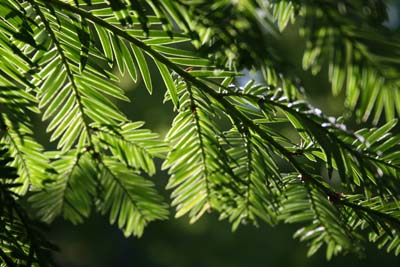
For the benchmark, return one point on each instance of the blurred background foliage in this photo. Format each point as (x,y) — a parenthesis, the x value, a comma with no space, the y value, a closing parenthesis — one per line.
(209,242)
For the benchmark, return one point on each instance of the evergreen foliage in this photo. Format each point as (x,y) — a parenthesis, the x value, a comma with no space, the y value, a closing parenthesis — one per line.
(22,242)
(224,151)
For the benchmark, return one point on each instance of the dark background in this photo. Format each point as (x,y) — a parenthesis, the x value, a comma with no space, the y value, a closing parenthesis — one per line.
(209,242)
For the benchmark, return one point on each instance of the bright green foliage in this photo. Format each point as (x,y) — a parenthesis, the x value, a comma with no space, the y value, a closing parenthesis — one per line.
(224,151)
(350,35)
(22,243)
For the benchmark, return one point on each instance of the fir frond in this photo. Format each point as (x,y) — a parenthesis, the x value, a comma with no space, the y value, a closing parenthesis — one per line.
(194,140)
(21,239)
(130,200)
(70,191)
